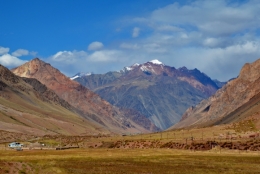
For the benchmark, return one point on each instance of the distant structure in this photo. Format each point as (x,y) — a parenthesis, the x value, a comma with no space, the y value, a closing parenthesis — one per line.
(15,145)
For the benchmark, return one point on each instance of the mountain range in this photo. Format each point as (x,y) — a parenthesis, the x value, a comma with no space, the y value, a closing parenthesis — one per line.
(37,99)
(88,104)
(160,92)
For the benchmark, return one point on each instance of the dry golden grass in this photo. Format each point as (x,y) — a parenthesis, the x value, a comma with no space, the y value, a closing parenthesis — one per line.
(119,160)
(132,161)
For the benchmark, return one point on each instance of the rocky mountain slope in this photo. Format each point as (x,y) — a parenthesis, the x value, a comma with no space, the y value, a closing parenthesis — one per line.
(237,100)
(89,104)
(160,92)
(29,107)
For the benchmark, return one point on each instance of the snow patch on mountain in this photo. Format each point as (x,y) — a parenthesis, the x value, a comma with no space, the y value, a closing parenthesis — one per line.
(144,68)
(136,64)
(81,74)
(127,68)
(74,77)
(155,61)
(147,68)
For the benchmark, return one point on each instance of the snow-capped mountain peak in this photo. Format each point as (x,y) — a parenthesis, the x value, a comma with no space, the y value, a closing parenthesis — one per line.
(155,61)
(148,66)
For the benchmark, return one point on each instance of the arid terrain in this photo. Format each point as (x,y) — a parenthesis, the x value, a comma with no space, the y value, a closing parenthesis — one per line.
(130,87)
(231,148)
(225,149)
(117,161)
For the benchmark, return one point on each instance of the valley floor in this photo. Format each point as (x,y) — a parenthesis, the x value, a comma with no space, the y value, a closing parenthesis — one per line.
(139,161)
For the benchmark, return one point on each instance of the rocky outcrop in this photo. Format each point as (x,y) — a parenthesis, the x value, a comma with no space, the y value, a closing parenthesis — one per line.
(234,95)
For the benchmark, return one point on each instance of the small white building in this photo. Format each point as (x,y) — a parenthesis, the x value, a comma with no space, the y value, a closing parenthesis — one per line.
(15,145)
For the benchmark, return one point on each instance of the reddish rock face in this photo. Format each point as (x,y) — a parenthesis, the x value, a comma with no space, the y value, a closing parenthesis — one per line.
(222,106)
(89,104)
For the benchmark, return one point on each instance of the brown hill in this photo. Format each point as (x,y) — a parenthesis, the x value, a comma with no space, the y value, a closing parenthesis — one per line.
(90,105)
(27,106)
(236,101)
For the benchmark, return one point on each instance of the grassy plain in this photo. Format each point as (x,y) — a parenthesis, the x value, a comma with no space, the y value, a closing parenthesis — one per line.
(89,158)
(139,161)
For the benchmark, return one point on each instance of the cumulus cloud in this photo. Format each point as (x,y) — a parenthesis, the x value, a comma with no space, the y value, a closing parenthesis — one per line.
(208,16)
(136,32)
(203,22)
(3,50)
(20,52)
(154,48)
(105,56)
(168,27)
(101,61)
(95,46)
(69,56)
(10,61)
(69,62)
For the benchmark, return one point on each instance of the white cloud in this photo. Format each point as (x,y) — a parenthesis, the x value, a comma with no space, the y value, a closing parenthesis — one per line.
(10,61)
(211,42)
(169,28)
(95,46)
(214,17)
(105,56)
(4,50)
(69,56)
(136,32)
(154,48)
(20,52)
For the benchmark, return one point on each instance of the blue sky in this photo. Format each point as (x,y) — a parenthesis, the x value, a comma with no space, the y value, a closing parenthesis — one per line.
(217,37)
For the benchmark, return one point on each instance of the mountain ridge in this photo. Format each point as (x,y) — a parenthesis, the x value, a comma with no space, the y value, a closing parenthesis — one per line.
(27,106)
(92,107)
(144,87)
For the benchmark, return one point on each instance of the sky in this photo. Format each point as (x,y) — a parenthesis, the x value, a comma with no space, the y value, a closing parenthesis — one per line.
(215,36)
